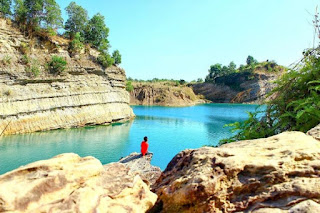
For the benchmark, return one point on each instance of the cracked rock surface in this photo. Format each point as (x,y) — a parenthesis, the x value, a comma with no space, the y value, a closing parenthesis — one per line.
(69,183)
(275,174)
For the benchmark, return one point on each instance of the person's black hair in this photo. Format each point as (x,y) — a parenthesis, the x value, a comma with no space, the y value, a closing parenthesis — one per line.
(145,138)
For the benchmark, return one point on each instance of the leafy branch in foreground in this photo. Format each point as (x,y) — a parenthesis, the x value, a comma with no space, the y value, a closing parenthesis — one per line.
(295,107)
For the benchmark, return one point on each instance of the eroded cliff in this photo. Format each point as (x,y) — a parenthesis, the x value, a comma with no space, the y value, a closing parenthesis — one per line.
(239,87)
(163,94)
(32,99)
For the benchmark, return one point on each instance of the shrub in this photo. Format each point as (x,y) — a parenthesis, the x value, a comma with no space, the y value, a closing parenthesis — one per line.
(57,65)
(25,59)
(34,68)
(76,45)
(24,48)
(105,60)
(117,57)
(6,60)
(129,86)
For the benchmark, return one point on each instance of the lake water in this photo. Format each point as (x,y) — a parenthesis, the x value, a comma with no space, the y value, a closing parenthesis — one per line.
(169,129)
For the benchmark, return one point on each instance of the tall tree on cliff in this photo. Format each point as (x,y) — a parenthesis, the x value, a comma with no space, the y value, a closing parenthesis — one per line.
(97,32)
(43,13)
(5,8)
(77,20)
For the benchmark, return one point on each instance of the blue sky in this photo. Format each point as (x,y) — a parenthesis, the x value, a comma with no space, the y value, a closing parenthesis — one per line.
(180,39)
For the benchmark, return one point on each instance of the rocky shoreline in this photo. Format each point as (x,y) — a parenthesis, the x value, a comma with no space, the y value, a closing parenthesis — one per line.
(276,174)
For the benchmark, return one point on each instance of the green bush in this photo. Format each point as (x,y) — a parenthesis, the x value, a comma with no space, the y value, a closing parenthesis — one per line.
(57,65)
(34,68)
(129,86)
(117,57)
(76,45)
(25,59)
(6,60)
(105,60)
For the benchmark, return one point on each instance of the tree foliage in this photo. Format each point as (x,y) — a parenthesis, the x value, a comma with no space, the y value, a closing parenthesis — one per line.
(251,60)
(296,106)
(117,57)
(43,13)
(5,6)
(77,20)
(96,33)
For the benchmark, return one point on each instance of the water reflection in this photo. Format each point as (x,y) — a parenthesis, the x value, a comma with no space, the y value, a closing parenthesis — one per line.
(103,142)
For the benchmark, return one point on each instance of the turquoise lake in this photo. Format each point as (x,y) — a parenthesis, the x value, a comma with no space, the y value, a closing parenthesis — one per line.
(169,129)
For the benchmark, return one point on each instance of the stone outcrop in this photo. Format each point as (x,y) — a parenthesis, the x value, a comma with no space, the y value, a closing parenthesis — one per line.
(32,99)
(276,174)
(142,166)
(239,88)
(315,132)
(163,94)
(69,183)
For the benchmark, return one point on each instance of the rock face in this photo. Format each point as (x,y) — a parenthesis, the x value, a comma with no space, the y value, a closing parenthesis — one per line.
(238,88)
(163,94)
(141,166)
(276,174)
(32,99)
(68,183)
(315,132)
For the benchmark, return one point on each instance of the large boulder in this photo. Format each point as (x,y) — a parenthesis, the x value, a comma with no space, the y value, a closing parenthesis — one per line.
(69,183)
(142,166)
(276,174)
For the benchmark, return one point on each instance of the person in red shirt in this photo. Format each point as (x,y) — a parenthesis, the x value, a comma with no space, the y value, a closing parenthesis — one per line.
(144,146)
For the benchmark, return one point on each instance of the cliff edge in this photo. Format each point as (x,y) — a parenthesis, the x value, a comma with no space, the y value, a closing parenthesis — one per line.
(33,99)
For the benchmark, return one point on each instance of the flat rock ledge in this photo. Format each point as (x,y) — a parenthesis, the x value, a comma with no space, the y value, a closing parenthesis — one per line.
(69,183)
(275,174)
(142,166)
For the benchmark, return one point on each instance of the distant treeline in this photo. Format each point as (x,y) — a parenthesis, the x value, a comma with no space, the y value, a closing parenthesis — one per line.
(38,17)
(219,70)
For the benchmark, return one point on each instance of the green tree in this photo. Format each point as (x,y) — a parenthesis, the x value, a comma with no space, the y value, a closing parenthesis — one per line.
(251,60)
(43,13)
(214,72)
(105,59)
(20,13)
(77,19)
(97,33)
(5,7)
(117,57)
(232,67)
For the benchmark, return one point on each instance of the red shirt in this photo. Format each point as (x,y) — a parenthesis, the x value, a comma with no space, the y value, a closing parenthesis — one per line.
(144,147)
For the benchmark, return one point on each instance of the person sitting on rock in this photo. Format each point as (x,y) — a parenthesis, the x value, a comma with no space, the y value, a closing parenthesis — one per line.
(144,146)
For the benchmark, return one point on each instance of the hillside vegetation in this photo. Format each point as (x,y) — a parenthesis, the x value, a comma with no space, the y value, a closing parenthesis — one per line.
(295,105)
(42,19)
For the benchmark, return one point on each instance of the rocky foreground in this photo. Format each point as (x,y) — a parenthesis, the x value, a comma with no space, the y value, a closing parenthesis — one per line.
(276,174)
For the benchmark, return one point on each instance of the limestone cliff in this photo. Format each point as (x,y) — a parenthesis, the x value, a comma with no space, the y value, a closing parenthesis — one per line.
(32,99)
(239,87)
(276,174)
(163,94)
